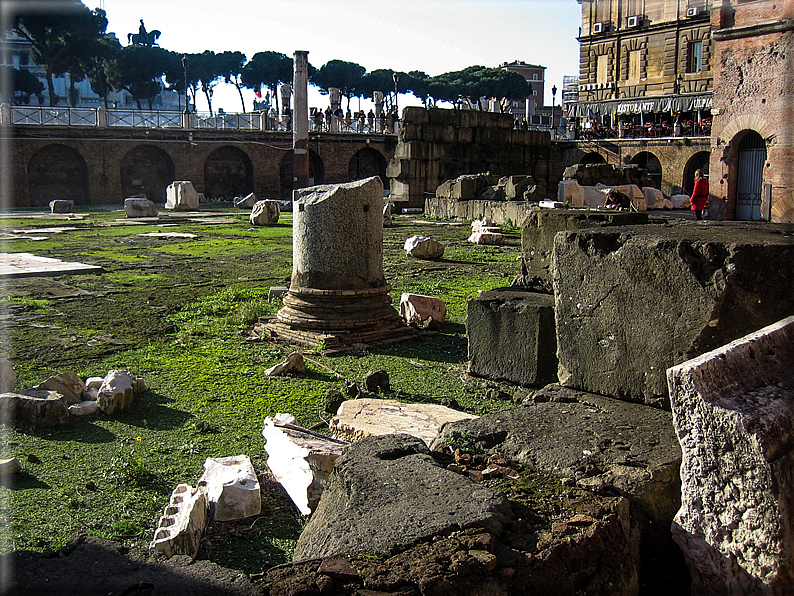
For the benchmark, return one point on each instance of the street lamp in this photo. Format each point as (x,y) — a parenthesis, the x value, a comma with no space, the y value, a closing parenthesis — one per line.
(553,96)
(396,78)
(185,62)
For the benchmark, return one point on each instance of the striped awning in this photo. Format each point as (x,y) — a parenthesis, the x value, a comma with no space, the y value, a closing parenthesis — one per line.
(645,105)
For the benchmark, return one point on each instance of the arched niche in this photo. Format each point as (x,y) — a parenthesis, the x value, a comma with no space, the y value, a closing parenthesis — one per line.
(57,172)
(699,161)
(592,158)
(368,162)
(650,162)
(146,170)
(228,173)
(316,173)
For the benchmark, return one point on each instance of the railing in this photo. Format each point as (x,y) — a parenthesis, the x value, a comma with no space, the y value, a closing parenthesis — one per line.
(54,116)
(144,119)
(245,121)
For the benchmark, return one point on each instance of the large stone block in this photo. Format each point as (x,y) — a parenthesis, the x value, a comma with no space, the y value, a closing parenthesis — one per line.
(387,493)
(537,238)
(232,487)
(33,409)
(182,523)
(733,410)
(631,302)
(512,337)
(139,207)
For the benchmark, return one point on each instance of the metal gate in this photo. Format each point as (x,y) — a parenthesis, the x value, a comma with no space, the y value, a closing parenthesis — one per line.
(750,180)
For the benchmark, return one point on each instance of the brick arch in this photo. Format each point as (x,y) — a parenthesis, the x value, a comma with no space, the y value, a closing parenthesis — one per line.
(148,170)
(286,176)
(368,162)
(756,122)
(228,173)
(57,171)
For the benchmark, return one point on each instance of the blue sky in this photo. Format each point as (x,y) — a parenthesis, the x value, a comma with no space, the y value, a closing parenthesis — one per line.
(435,36)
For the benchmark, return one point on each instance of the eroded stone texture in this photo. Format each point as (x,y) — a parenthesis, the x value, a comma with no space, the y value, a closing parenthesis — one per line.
(139,207)
(181,196)
(232,487)
(118,391)
(512,337)
(61,206)
(182,524)
(67,384)
(424,247)
(300,460)
(417,309)
(537,239)
(32,409)
(386,493)
(598,444)
(265,213)
(8,377)
(359,418)
(733,410)
(631,302)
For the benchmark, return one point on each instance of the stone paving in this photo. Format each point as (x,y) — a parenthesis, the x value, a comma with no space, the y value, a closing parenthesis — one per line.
(23,264)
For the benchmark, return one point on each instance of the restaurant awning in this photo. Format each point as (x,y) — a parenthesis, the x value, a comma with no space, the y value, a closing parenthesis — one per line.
(645,105)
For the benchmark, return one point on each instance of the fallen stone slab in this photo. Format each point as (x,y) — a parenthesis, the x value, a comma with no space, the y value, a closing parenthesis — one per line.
(84,408)
(301,460)
(367,417)
(182,524)
(180,195)
(424,247)
(232,488)
(733,410)
(387,493)
(417,309)
(246,202)
(33,409)
(139,207)
(512,337)
(631,302)
(23,264)
(265,213)
(595,443)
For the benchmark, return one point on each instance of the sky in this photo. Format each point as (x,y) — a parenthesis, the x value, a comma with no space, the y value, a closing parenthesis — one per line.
(434,36)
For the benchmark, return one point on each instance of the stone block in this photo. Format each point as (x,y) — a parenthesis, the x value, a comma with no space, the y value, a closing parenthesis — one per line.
(67,384)
(416,309)
(294,364)
(680,201)
(276,292)
(139,207)
(359,418)
(571,192)
(733,410)
(598,444)
(387,493)
(33,409)
(84,408)
(8,377)
(487,238)
(300,459)
(631,302)
(232,488)
(61,206)
(182,524)
(118,391)
(424,247)
(540,226)
(265,213)
(512,337)
(181,196)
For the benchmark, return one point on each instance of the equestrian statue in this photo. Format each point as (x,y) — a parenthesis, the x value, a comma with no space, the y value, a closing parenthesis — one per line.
(142,37)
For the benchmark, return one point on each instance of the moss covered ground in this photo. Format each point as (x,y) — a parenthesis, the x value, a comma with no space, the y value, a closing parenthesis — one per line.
(176,312)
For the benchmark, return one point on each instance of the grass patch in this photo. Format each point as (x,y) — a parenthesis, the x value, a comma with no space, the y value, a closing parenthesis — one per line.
(176,313)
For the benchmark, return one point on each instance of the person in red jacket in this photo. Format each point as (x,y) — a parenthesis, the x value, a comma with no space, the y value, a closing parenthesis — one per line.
(700,194)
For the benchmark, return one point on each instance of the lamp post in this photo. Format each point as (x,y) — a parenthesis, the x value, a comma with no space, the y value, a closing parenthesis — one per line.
(396,78)
(185,62)
(553,97)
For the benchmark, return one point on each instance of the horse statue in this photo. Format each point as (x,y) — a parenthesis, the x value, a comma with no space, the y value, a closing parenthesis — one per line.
(142,37)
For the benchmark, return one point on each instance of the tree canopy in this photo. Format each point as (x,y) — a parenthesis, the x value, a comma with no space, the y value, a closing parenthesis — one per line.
(267,69)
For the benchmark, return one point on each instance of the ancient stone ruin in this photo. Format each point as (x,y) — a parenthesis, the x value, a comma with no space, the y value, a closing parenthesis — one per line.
(338,294)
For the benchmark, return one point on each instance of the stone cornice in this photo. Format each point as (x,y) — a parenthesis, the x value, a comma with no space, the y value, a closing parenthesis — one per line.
(753,30)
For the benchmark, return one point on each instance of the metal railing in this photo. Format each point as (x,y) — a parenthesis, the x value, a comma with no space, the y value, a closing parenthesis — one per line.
(144,119)
(40,116)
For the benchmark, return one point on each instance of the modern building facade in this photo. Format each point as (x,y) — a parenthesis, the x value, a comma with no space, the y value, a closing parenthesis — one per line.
(646,68)
(752,159)
(536,77)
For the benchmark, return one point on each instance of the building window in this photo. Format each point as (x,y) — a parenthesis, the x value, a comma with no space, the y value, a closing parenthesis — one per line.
(602,69)
(695,56)
(634,58)
(534,92)
(535,76)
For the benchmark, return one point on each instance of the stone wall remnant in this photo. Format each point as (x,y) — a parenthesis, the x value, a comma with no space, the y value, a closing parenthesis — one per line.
(733,410)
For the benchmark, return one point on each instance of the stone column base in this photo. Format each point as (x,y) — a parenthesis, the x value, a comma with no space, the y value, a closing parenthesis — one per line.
(336,318)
